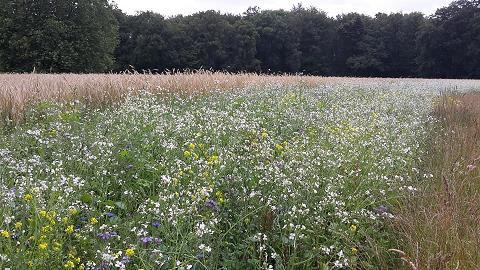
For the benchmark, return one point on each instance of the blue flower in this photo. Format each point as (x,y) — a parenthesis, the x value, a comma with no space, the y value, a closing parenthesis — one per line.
(146,239)
(211,204)
(107,235)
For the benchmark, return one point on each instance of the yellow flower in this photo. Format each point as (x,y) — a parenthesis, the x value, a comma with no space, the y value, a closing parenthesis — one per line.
(51,216)
(77,260)
(191,146)
(43,246)
(43,213)
(69,229)
(212,160)
(30,264)
(65,220)
(220,197)
(187,154)
(130,252)
(353,228)
(93,221)
(5,234)
(56,246)
(69,265)
(73,211)
(46,229)
(18,225)
(264,135)
(81,267)
(278,147)
(28,197)
(354,250)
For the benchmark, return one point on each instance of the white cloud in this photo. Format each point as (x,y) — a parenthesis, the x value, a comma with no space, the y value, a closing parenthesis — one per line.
(332,7)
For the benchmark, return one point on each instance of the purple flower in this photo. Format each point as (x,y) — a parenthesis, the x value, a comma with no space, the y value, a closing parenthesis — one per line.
(107,235)
(471,167)
(156,224)
(125,260)
(382,209)
(110,214)
(122,264)
(148,239)
(102,266)
(211,204)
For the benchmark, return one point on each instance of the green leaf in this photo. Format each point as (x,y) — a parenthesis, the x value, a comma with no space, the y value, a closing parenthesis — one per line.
(86,198)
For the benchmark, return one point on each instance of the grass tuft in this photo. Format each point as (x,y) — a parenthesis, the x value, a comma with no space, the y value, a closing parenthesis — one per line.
(441,224)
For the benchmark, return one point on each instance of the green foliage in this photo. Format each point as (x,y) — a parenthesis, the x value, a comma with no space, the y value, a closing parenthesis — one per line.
(306,40)
(316,40)
(449,43)
(57,36)
(301,40)
(84,36)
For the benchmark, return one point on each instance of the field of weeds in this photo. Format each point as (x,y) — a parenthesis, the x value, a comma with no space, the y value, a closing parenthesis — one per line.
(216,171)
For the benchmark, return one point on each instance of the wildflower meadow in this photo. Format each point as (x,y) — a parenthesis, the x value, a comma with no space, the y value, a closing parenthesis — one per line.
(277,176)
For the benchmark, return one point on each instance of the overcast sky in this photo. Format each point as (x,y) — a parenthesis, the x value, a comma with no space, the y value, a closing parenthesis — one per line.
(332,7)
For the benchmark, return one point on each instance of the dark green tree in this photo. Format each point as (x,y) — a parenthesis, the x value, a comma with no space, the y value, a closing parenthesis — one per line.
(350,31)
(398,33)
(57,35)
(278,43)
(242,49)
(316,39)
(449,43)
(143,42)
(210,32)
(82,36)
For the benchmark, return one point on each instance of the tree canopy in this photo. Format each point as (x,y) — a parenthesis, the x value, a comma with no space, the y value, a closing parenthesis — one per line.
(57,35)
(95,36)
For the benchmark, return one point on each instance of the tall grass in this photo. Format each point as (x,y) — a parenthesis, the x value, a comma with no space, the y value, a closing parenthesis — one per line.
(18,91)
(442,224)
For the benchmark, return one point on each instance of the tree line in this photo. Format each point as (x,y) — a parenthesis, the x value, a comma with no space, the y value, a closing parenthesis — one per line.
(95,36)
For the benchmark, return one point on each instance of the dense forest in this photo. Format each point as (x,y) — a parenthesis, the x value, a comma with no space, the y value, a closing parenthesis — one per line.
(95,36)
